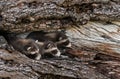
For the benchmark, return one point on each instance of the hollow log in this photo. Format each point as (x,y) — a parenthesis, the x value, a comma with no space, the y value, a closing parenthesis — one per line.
(99,38)
(96,47)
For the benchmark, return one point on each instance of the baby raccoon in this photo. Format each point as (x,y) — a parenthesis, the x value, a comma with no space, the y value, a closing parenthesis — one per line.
(49,49)
(25,46)
(57,37)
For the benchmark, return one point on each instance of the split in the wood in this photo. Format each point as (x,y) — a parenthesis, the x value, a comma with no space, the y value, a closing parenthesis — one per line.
(42,45)
(39,44)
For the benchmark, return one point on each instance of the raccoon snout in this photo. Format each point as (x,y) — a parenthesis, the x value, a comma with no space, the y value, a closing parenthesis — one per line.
(58,53)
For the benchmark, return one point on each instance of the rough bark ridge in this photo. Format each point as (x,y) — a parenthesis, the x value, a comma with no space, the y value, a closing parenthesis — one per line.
(17,66)
(22,15)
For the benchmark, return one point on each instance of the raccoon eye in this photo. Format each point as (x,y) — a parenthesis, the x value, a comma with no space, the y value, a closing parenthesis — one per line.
(67,42)
(54,52)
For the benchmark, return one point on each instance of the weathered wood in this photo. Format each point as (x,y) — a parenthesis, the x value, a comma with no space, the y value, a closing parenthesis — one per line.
(22,15)
(14,65)
(109,68)
(97,37)
(88,38)
(93,38)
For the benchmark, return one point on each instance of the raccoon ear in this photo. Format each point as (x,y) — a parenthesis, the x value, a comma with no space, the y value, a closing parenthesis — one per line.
(36,41)
(60,38)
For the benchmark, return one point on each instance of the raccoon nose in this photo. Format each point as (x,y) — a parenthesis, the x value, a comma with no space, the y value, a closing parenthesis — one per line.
(58,53)
(35,56)
(54,52)
(38,57)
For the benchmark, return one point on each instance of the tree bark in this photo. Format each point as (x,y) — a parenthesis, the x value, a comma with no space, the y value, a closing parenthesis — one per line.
(96,36)
(22,16)
(17,66)
(88,39)
(96,45)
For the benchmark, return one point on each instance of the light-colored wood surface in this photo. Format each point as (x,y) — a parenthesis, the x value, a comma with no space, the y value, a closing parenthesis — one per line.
(98,36)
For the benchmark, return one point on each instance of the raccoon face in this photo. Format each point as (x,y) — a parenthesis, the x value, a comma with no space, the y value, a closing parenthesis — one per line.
(32,50)
(63,41)
(52,49)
